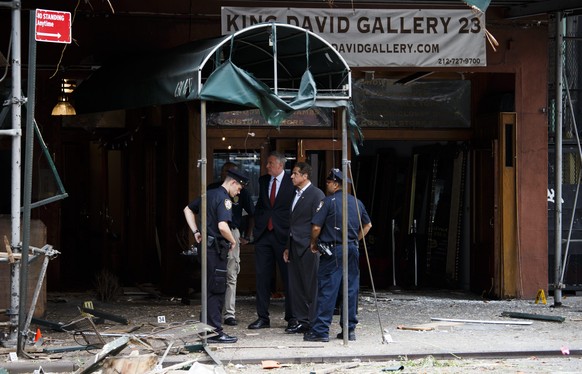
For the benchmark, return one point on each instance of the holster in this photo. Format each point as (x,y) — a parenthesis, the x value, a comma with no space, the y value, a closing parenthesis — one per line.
(210,243)
(222,247)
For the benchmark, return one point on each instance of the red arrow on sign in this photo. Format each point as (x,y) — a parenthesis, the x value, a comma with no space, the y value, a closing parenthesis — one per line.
(53,26)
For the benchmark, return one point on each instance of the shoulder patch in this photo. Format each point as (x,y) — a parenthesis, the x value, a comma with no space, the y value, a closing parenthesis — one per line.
(228,204)
(319,206)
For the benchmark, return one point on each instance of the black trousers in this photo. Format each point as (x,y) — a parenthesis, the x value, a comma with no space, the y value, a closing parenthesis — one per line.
(216,282)
(303,283)
(269,251)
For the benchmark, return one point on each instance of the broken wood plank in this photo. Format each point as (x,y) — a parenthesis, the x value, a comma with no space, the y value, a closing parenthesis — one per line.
(111,348)
(482,321)
(137,364)
(161,360)
(539,317)
(8,250)
(105,315)
(427,326)
(415,328)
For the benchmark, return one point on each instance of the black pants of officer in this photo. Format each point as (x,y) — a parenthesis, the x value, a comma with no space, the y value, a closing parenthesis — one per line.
(216,278)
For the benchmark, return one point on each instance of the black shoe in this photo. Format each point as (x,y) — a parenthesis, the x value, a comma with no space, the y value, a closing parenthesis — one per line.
(313,337)
(260,324)
(222,338)
(304,328)
(351,335)
(231,321)
(295,328)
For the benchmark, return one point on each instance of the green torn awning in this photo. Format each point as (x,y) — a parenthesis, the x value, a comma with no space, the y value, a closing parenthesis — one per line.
(276,68)
(481,5)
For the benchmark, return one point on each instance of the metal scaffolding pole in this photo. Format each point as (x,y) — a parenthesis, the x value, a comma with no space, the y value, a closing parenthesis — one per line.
(345,166)
(16,170)
(27,196)
(558,285)
(203,216)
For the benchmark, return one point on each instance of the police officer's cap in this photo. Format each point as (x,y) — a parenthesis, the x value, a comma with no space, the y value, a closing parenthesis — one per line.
(238,176)
(337,176)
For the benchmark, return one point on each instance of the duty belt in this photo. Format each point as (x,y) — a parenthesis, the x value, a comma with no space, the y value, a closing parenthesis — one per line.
(334,244)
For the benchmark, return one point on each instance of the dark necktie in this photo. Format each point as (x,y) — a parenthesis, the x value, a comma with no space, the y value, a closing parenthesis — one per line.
(272,199)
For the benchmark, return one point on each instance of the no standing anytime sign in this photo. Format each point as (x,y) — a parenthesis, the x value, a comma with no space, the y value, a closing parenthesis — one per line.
(53,26)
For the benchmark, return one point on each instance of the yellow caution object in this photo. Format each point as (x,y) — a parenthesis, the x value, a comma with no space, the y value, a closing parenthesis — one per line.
(541,296)
(89,305)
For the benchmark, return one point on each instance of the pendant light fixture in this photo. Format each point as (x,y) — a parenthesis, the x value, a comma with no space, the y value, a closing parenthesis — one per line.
(64,107)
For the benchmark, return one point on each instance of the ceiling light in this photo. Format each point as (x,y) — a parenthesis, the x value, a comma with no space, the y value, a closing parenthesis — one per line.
(64,107)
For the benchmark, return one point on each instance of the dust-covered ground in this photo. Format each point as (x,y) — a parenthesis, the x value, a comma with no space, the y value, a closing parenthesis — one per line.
(489,342)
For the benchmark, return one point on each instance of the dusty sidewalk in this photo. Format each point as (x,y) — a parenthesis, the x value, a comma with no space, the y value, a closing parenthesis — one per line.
(455,343)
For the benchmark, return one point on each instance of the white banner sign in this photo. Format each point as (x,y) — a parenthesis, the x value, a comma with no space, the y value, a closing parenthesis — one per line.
(382,37)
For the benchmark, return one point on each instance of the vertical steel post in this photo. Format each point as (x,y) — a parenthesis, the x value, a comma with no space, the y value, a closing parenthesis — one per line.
(345,305)
(393,253)
(28,152)
(558,161)
(16,168)
(203,216)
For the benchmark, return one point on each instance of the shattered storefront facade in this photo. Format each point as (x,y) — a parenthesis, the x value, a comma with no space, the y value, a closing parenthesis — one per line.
(449,168)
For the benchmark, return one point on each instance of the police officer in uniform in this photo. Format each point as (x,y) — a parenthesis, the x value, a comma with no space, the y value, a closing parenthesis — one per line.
(239,203)
(326,230)
(220,242)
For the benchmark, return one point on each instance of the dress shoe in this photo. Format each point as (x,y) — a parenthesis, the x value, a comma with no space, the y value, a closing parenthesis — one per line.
(313,337)
(260,324)
(351,335)
(222,338)
(304,328)
(231,321)
(295,328)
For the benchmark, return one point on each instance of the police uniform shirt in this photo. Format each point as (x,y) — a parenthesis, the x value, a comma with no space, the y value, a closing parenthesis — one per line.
(218,208)
(239,202)
(329,217)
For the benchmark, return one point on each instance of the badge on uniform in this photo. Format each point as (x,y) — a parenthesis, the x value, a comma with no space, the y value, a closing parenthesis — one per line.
(228,204)
(319,206)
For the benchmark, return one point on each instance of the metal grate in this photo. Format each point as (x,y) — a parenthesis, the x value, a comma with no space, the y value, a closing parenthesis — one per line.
(86,328)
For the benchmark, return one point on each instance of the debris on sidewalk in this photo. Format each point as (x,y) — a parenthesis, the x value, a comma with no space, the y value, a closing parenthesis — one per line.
(133,363)
(270,364)
(336,368)
(482,321)
(393,368)
(111,348)
(539,317)
(104,315)
(178,346)
(428,326)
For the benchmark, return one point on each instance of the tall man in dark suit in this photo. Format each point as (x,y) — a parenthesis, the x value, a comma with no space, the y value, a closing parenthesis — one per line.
(276,192)
(302,263)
